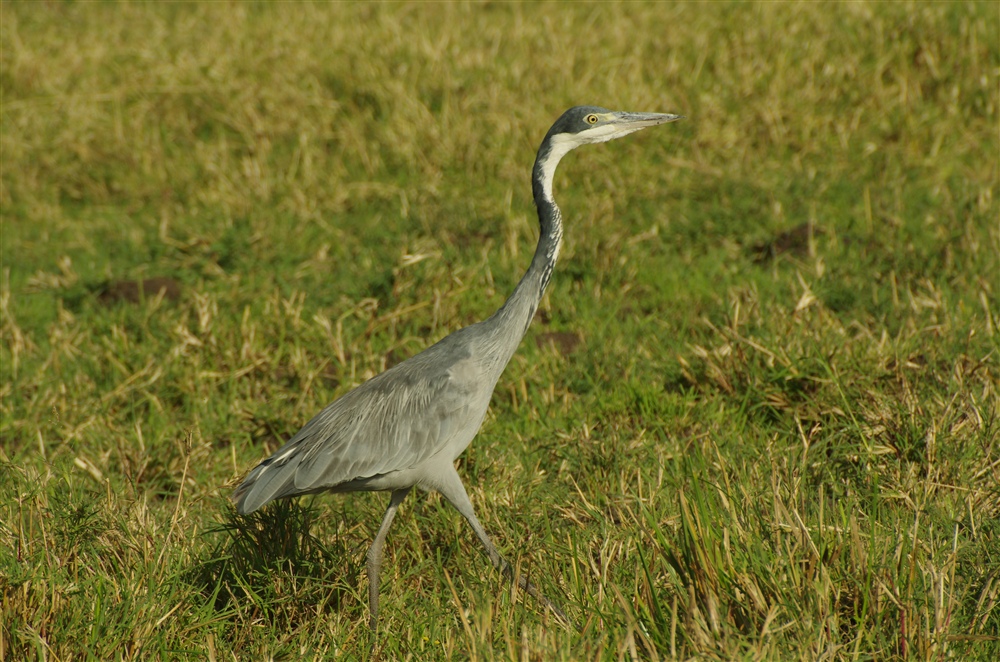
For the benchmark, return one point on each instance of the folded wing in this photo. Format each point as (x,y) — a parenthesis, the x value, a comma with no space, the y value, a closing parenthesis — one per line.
(392,422)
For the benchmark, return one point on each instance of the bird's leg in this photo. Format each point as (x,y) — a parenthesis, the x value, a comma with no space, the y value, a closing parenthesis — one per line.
(375,553)
(452,488)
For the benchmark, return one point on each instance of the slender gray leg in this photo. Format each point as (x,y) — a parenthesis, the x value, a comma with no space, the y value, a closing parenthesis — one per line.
(451,487)
(375,553)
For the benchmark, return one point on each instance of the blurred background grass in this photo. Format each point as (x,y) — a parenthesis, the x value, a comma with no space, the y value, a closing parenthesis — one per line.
(757,415)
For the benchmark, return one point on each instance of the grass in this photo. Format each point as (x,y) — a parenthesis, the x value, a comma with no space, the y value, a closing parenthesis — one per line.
(756,418)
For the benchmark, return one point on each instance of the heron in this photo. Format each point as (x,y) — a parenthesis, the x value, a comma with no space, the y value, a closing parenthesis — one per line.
(405,427)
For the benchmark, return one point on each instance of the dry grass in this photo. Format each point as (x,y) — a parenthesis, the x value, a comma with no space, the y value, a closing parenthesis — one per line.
(761,418)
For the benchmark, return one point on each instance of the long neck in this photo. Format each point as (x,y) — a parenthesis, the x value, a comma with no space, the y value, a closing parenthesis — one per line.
(517,312)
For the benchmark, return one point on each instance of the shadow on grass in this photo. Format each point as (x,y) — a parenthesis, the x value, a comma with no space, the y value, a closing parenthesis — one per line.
(268,567)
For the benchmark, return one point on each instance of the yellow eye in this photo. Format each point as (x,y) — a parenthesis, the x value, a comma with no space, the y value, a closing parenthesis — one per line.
(591,119)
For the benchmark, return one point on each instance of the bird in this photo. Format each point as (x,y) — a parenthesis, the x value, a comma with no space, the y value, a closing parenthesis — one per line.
(406,427)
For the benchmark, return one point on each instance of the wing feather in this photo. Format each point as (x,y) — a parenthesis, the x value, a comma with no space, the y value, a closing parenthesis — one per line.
(392,422)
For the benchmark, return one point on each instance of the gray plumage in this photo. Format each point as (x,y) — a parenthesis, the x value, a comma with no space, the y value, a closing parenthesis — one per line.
(406,426)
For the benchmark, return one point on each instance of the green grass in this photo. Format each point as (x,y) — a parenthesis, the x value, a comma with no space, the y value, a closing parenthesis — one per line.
(768,425)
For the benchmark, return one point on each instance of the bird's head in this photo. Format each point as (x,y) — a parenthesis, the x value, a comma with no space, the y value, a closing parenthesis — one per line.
(582,125)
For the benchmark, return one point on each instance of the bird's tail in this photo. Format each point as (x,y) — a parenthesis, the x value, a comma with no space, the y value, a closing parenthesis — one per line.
(265,483)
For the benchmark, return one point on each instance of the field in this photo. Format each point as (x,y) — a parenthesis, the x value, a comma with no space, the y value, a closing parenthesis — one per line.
(757,415)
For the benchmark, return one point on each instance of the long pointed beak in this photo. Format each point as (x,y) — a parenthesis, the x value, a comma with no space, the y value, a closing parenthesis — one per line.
(642,120)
